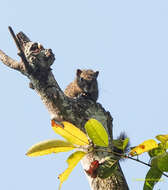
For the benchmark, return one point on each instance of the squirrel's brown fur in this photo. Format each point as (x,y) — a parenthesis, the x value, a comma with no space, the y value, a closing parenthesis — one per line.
(85,85)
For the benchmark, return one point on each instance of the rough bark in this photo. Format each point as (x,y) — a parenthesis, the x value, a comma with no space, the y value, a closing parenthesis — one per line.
(60,107)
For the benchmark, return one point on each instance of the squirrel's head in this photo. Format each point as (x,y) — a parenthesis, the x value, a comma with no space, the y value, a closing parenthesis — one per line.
(87,80)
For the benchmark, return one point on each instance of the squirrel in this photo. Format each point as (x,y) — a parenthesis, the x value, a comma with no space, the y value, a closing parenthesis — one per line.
(85,85)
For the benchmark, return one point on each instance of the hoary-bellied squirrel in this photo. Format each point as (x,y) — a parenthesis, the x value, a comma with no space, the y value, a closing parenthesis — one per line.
(84,85)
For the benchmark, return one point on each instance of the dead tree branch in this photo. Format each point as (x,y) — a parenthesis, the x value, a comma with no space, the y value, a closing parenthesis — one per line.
(36,64)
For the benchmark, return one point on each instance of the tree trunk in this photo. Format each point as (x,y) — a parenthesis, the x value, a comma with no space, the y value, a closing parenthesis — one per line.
(60,107)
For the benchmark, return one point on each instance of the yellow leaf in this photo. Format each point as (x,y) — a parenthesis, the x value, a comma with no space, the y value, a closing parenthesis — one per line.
(162,138)
(144,147)
(70,133)
(50,146)
(72,161)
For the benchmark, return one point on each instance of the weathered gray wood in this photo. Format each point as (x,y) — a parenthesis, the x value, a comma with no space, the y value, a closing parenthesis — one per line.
(61,107)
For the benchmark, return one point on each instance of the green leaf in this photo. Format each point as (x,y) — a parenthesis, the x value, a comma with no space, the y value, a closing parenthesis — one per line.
(107,168)
(120,144)
(97,132)
(50,146)
(166,145)
(156,151)
(162,138)
(70,132)
(72,161)
(152,177)
(161,162)
(125,143)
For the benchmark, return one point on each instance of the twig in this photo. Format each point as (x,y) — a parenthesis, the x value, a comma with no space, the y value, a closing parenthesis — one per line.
(15,39)
(140,161)
(137,160)
(20,53)
(129,157)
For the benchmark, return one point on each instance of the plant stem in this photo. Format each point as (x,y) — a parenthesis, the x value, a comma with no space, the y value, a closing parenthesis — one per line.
(129,157)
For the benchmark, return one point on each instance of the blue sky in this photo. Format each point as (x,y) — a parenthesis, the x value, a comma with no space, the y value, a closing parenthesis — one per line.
(127,41)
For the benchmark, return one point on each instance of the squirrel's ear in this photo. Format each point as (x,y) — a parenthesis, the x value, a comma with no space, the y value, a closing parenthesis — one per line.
(78,72)
(96,74)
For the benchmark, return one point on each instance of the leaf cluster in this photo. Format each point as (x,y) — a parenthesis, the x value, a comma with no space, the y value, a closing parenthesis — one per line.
(158,159)
(96,140)
(82,143)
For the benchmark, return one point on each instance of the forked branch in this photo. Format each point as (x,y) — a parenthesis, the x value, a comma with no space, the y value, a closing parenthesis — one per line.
(36,65)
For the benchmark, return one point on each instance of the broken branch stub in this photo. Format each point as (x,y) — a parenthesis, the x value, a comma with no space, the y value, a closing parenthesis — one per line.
(20,50)
(33,55)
